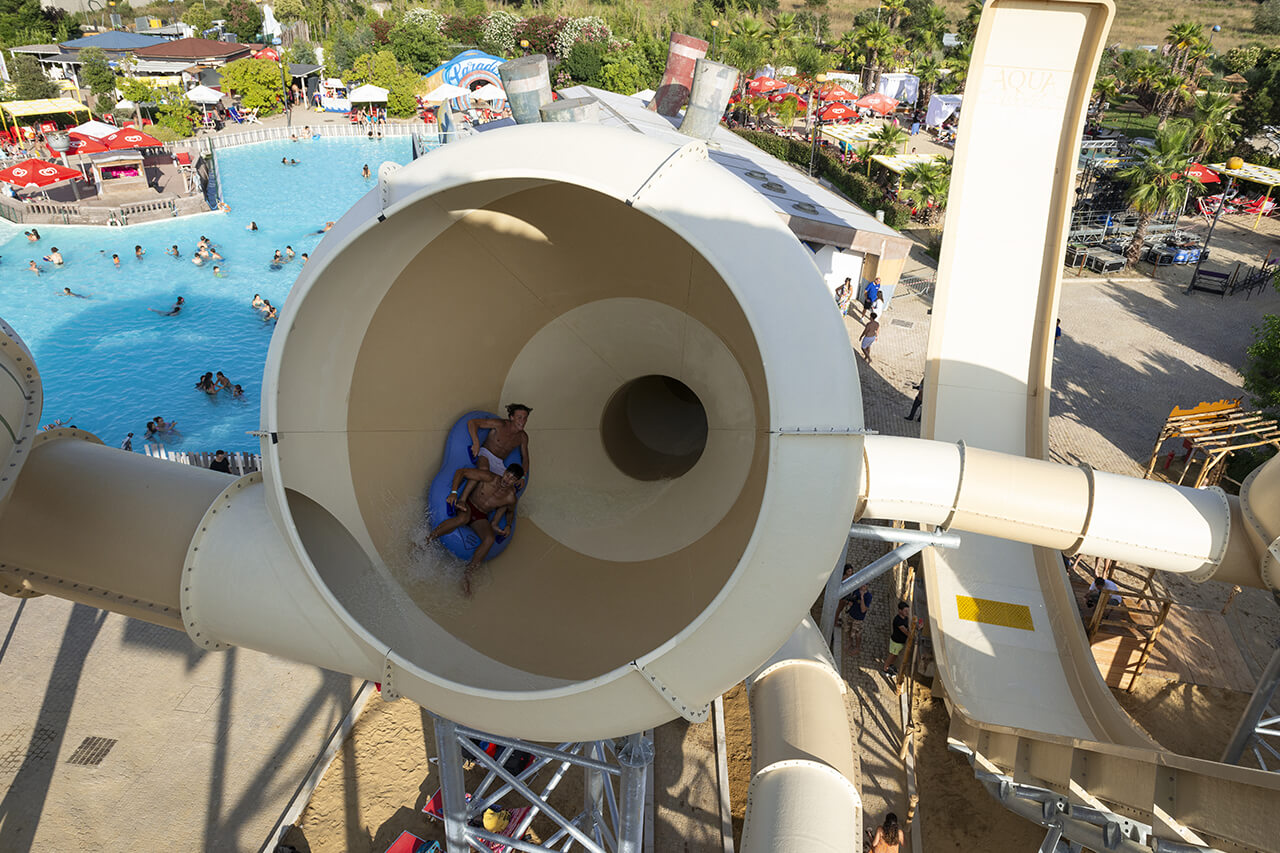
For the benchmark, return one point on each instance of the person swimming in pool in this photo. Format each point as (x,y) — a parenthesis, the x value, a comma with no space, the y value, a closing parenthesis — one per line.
(54,257)
(268,312)
(198,259)
(258,302)
(138,252)
(32,236)
(213,253)
(237,393)
(172,312)
(173,250)
(277,260)
(305,258)
(207,385)
(252,226)
(505,435)
(217,272)
(485,492)
(115,259)
(33,267)
(66,291)
(223,383)
(326,227)
(288,253)
(366,172)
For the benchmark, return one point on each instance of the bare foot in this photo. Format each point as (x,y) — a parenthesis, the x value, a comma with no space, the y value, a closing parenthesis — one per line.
(466,581)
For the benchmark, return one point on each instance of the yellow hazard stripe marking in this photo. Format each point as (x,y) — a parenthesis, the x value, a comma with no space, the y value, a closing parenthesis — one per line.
(991,612)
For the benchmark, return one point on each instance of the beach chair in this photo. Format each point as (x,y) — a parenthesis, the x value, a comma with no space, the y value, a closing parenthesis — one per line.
(235,114)
(410,843)
(1264,206)
(252,117)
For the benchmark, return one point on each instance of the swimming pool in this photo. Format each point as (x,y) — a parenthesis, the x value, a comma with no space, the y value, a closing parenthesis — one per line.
(109,363)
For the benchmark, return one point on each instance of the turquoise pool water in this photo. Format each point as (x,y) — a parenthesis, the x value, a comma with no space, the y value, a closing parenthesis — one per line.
(109,364)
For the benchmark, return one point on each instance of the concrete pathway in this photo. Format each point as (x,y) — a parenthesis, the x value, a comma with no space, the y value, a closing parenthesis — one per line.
(118,735)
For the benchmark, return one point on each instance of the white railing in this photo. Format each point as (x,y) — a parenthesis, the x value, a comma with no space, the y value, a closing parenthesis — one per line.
(241,463)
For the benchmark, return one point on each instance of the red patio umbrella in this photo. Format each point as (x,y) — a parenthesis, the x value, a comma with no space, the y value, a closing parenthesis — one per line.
(80,144)
(129,138)
(838,93)
(878,102)
(762,85)
(267,53)
(37,174)
(837,111)
(1202,174)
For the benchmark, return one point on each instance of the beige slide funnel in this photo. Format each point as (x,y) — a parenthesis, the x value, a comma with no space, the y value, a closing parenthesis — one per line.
(663,324)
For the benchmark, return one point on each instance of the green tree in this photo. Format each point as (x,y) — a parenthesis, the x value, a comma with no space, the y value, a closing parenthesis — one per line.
(896,10)
(256,81)
(926,186)
(810,60)
(585,60)
(198,17)
(244,19)
(418,47)
(95,72)
(784,34)
(302,53)
(930,72)
(626,71)
(877,40)
(888,139)
(1266,18)
(1157,182)
(288,10)
(1212,127)
(28,79)
(177,113)
(381,69)
(1173,91)
(19,15)
(1262,365)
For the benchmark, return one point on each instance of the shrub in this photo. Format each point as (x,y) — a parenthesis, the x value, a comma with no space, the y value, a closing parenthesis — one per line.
(428,19)
(380,29)
(1262,365)
(541,31)
(499,36)
(1240,59)
(577,30)
(464,29)
(584,62)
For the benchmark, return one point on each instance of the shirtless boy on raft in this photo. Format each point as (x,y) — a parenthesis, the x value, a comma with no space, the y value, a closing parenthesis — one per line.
(485,493)
(504,437)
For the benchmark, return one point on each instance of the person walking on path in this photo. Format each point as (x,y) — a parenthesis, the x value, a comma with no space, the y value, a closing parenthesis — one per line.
(869,295)
(869,334)
(914,414)
(888,837)
(897,638)
(856,608)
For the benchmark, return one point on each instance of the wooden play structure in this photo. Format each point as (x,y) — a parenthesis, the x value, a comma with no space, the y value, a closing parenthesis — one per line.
(1210,433)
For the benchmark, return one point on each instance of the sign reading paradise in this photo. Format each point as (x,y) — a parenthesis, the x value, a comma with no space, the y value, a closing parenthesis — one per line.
(470,69)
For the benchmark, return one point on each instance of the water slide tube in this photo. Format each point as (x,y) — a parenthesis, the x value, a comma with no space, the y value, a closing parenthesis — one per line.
(629,290)
(462,543)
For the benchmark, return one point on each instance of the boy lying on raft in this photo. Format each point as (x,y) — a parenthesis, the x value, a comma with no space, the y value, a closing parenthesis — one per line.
(505,435)
(485,493)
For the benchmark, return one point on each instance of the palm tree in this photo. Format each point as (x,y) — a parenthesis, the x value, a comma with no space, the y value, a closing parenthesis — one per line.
(1183,37)
(1212,127)
(926,186)
(1172,91)
(876,39)
(784,33)
(929,71)
(958,64)
(1105,90)
(1158,181)
(927,28)
(897,10)
(888,139)
(864,153)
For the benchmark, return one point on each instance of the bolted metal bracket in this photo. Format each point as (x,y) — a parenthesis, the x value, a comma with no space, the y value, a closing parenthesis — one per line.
(693,715)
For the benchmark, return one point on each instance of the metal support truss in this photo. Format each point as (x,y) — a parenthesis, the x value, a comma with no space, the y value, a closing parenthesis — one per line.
(1255,725)
(612,818)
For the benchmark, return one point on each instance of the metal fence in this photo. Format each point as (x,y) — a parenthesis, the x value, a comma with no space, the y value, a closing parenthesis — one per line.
(241,463)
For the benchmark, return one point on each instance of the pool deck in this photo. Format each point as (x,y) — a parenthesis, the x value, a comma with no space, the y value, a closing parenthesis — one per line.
(167,195)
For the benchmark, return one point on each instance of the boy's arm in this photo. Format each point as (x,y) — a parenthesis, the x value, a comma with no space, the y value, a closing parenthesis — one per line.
(473,429)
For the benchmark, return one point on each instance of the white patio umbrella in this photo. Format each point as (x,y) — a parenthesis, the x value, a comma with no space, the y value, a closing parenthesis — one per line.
(95,129)
(445,92)
(203,95)
(368,94)
(489,92)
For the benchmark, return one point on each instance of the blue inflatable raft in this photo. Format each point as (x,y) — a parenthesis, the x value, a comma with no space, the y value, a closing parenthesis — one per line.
(462,543)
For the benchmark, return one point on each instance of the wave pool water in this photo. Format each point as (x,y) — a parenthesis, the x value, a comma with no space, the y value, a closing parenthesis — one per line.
(109,362)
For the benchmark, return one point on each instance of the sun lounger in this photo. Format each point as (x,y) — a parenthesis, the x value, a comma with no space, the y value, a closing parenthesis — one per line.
(252,117)
(410,843)
(235,114)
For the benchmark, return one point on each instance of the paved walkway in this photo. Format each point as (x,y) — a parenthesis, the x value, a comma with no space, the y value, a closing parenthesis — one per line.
(194,750)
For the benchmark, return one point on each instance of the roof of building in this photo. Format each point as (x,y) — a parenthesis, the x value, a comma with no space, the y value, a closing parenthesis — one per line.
(35,48)
(192,49)
(114,40)
(813,213)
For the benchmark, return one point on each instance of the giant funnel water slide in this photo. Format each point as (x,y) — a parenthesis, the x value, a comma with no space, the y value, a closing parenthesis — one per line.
(662,322)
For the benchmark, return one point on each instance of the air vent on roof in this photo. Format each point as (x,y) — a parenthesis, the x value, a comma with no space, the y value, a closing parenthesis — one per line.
(757,174)
(774,186)
(805,207)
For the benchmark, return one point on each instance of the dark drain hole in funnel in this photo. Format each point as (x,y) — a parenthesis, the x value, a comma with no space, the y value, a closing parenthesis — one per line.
(654,428)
